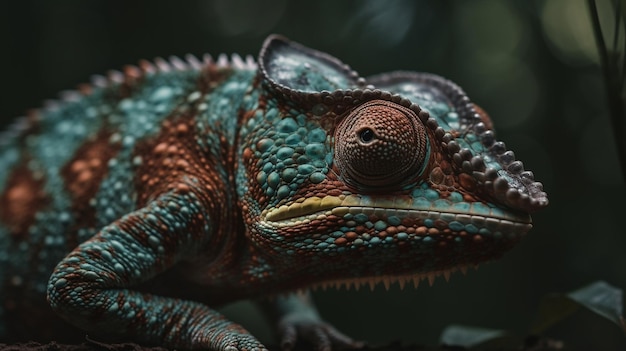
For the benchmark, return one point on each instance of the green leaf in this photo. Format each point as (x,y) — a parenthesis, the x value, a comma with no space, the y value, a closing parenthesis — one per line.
(600,298)
(603,299)
(468,337)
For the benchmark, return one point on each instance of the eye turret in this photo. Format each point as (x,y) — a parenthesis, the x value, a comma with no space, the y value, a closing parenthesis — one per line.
(380,144)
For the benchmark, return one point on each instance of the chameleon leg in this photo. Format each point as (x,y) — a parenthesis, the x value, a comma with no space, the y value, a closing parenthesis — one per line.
(91,287)
(297,317)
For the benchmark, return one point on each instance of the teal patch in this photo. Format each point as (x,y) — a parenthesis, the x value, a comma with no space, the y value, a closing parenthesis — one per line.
(287,125)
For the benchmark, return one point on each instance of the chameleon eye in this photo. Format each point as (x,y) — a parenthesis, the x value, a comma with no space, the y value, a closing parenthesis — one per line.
(366,135)
(380,144)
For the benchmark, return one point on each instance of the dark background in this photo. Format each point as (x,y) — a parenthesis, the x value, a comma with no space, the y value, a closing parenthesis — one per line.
(531,64)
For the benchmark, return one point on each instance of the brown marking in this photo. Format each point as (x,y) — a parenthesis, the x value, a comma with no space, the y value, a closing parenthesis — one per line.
(83,175)
(22,198)
(170,156)
(212,76)
(174,162)
(173,155)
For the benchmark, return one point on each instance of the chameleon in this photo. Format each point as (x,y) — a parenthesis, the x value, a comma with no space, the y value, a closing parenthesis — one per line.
(135,202)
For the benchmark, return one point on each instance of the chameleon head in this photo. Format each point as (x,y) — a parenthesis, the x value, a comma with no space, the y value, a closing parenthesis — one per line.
(392,177)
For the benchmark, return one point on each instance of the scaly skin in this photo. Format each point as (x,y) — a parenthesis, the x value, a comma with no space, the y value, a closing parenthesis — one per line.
(149,195)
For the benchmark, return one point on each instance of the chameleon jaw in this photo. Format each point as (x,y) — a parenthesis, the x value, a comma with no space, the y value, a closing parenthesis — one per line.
(420,237)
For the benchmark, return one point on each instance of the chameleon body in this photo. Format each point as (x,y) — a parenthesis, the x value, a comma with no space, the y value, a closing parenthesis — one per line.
(138,201)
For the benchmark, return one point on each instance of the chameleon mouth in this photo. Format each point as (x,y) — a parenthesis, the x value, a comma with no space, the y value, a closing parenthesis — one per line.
(459,215)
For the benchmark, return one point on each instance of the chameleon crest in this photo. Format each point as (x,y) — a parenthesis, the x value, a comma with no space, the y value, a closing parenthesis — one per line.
(135,203)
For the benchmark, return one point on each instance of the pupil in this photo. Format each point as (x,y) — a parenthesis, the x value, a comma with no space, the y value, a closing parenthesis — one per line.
(366,135)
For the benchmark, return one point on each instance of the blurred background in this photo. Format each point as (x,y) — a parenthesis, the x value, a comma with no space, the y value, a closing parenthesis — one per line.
(531,64)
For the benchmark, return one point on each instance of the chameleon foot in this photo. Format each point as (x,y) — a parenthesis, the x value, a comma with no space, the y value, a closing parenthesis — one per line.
(322,335)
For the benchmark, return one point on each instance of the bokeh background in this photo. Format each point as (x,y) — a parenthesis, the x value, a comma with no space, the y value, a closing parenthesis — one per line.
(531,64)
